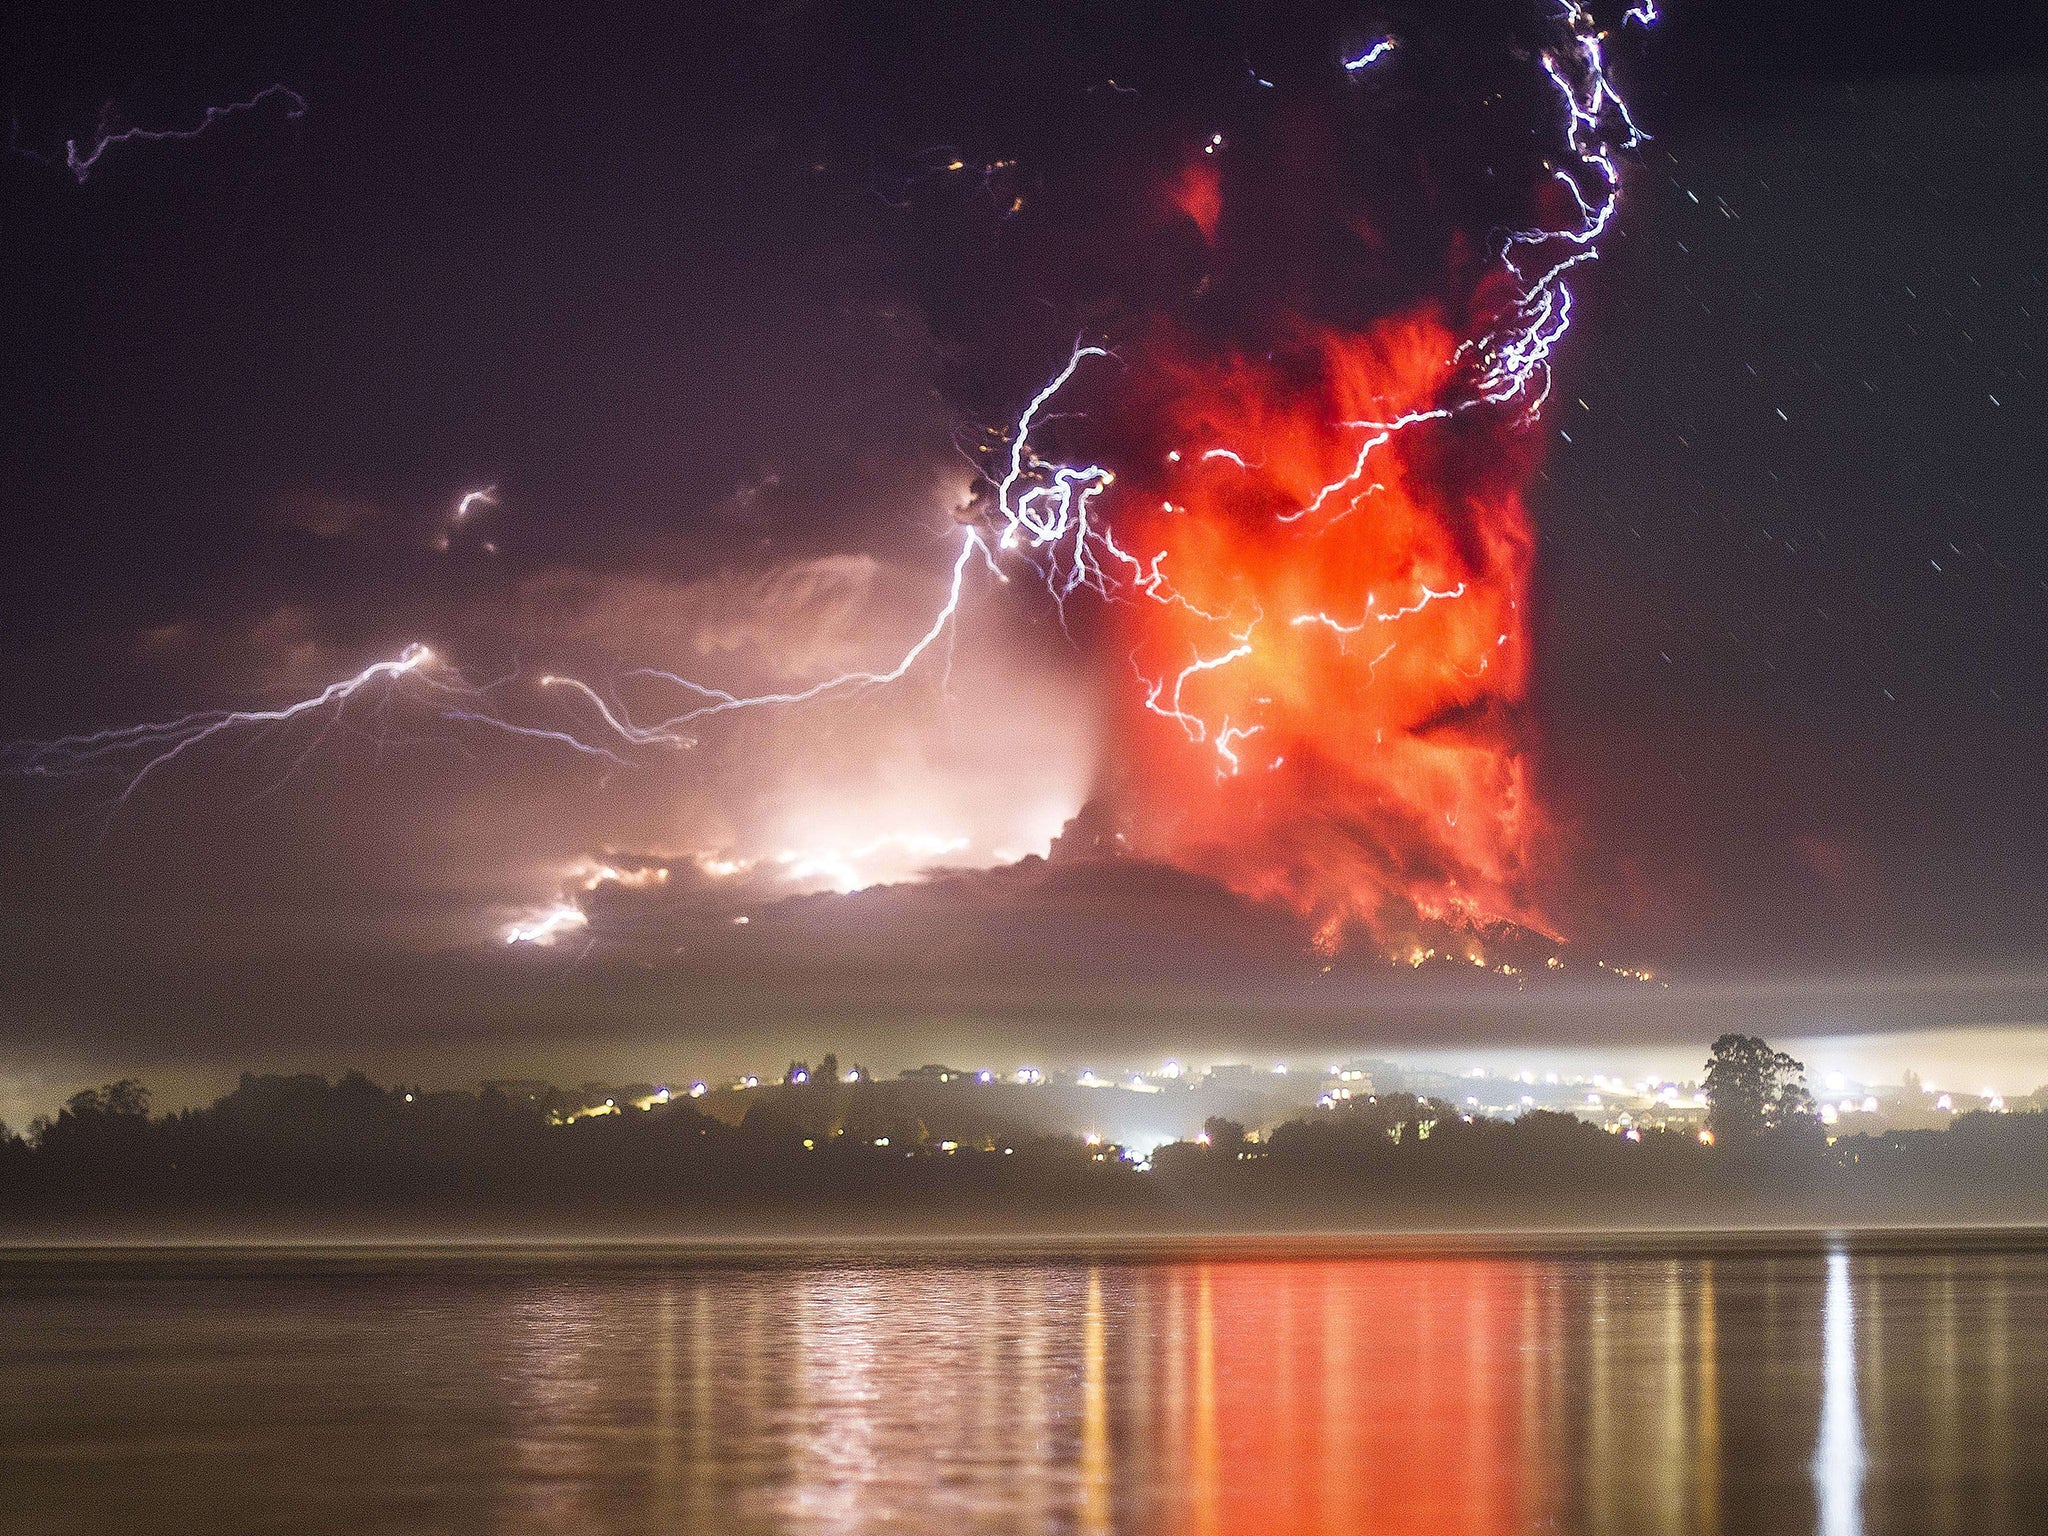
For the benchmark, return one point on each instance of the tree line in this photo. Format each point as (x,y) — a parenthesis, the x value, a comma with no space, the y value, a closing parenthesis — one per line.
(817,1152)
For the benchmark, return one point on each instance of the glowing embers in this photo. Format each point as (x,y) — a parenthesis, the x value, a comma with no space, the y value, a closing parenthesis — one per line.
(1349,643)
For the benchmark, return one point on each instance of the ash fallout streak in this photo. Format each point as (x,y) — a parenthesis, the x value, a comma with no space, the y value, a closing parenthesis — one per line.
(1311,552)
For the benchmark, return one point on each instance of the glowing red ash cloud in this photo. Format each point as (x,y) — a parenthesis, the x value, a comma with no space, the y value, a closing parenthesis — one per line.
(1314,553)
(1320,565)
(1356,660)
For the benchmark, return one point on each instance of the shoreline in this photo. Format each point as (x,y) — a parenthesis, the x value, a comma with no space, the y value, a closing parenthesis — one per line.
(939,1245)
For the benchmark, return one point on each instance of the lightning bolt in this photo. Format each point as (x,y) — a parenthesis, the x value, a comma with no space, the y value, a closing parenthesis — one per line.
(1429,595)
(1057,517)
(1374,52)
(136,754)
(81,162)
(717,701)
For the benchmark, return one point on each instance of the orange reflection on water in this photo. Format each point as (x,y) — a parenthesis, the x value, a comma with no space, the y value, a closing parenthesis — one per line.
(1747,1389)
(1341,1397)
(1652,1395)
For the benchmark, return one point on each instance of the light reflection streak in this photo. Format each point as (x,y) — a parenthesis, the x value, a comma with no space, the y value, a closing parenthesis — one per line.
(1304,1397)
(1707,1438)
(1263,1395)
(663,1426)
(1334,1492)
(1208,1456)
(1945,1422)
(701,1358)
(1094,1412)
(1032,1401)
(1600,1451)
(553,1336)
(1283,1409)
(1539,1367)
(842,1322)
(1838,1459)
(1997,1411)
(1672,1420)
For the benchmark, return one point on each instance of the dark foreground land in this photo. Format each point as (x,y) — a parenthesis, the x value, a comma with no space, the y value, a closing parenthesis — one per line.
(301,1156)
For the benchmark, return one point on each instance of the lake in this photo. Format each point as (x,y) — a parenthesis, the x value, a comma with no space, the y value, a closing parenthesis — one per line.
(1767,1385)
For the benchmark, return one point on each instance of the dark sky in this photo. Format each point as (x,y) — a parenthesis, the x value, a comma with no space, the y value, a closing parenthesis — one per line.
(694,293)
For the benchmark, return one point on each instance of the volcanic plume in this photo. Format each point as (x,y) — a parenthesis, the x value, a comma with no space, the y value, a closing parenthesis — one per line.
(1311,319)
(1332,705)
(1292,454)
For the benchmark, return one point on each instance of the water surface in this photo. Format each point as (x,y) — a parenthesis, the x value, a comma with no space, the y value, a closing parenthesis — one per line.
(1794,1386)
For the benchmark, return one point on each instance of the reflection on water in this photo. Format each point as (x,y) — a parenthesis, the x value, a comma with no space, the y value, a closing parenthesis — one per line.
(1790,1388)
(1838,1460)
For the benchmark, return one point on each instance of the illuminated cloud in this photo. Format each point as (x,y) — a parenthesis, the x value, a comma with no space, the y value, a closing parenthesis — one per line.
(1791,769)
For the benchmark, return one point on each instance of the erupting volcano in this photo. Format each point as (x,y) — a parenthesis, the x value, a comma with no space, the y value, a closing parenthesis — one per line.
(1285,458)
(1294,468)
(1351,649)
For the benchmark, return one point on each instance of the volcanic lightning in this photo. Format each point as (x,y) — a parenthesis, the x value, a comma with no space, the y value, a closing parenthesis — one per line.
(135,754)
(1378,49)
(1345,476)
(81,162)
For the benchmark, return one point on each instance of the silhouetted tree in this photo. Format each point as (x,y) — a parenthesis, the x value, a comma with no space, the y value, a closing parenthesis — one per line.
(1753,1090)
(99,1125)
(1225,1135)
(766,1127)
(298,1143)
(127,1097)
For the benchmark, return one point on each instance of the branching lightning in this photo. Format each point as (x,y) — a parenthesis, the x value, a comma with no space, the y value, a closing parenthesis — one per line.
(716,701)
(135,754)
(81,162)
(1067,521)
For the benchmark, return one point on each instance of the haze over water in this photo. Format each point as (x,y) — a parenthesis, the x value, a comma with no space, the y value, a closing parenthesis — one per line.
(1786,1386)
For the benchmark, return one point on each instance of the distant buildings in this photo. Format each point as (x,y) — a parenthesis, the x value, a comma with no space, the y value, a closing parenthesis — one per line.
(1146,1108)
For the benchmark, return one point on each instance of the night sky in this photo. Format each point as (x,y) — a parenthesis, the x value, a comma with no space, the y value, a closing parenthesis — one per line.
(700,298)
